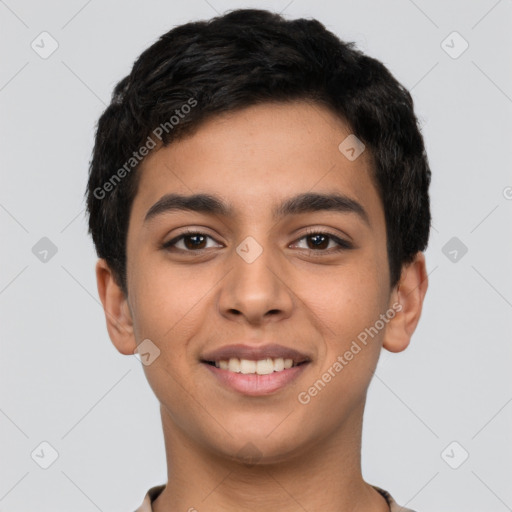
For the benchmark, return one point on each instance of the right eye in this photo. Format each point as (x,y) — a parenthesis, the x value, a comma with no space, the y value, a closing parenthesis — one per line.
(192,241)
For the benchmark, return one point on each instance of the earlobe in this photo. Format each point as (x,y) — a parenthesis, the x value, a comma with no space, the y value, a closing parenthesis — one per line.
(409,293)
(117,311)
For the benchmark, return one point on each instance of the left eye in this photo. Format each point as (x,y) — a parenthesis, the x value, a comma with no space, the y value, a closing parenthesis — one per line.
(320,239)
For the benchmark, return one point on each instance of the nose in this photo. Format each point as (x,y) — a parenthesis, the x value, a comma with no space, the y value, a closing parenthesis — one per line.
(255,290)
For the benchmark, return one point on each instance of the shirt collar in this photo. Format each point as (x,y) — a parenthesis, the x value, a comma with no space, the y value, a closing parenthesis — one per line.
(154,492)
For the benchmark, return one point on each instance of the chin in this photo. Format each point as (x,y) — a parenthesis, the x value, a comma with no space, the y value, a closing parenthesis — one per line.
(259,448)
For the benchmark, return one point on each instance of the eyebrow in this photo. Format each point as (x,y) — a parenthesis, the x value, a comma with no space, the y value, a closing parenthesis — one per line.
(303,203)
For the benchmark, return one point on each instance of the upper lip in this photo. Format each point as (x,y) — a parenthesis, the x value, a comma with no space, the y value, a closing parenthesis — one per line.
(255,353)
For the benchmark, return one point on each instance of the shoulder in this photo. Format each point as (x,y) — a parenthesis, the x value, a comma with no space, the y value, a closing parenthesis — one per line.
(393,505)
(151,496)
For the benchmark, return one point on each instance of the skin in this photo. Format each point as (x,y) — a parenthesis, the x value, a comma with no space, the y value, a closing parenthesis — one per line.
(292,294)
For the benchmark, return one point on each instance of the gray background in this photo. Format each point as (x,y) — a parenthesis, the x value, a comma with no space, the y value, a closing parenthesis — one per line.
(62,381)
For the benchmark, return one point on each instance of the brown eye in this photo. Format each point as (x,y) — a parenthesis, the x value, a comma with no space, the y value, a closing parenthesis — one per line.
(190,242)
(319,242)
(194,241)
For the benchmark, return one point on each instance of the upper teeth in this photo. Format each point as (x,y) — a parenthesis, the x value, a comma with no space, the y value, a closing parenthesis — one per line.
(260,367)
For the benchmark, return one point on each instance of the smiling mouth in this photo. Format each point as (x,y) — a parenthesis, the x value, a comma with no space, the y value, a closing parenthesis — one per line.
(265,366)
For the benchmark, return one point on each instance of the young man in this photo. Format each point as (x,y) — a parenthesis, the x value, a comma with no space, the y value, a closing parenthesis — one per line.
(258,199)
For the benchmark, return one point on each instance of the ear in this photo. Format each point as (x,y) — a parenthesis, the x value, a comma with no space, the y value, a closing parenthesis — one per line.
(117,310)
(409,294)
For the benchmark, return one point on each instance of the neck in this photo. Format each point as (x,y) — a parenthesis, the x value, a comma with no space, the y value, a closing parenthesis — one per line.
(324,476)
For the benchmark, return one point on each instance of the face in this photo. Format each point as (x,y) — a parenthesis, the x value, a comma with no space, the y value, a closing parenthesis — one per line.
(249,273)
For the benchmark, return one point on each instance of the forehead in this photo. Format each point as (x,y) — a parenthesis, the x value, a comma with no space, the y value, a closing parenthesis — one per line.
(255,157)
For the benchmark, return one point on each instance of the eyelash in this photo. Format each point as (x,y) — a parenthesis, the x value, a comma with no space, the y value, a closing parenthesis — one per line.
(343,245)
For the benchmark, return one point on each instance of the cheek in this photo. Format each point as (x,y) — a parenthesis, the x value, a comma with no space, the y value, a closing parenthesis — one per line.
(164,300)
(340,381)
(346,300)
(167,312)
(346,310)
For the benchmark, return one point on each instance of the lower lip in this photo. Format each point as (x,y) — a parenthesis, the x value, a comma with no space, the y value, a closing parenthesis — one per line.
(256,385)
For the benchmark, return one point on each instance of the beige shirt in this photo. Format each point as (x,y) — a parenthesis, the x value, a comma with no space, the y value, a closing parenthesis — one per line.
(152,494)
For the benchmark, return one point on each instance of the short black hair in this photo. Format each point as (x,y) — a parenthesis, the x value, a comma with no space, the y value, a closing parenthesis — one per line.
(243,58)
